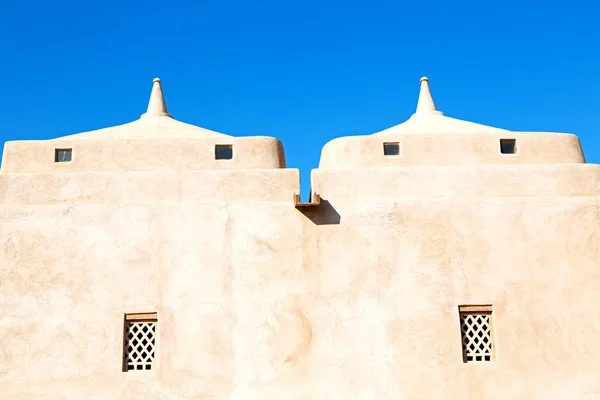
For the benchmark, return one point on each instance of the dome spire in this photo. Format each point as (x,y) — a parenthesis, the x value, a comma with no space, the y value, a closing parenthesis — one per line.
(426,105)
(156,106)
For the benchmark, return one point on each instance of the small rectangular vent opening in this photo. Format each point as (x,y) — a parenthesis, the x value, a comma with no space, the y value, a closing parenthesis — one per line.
(508,146)
(223,152)
(139,342)
(477,333)
(391,149)
(63,155)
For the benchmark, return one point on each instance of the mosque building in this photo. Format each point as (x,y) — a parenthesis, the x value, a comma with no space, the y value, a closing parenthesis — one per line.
(436,259)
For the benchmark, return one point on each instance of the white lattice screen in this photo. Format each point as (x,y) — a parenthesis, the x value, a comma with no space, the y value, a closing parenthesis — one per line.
(476,336)
(139,344)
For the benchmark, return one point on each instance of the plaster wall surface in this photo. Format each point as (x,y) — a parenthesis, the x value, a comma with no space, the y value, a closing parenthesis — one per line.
(257,301)
(260,298)
(560,180)
(435,149)
(97,155)
(150,187)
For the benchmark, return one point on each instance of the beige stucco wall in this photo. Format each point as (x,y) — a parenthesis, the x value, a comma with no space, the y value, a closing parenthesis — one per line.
(551,180)
(149,187)
(256,301)
(450,149)
(92,155)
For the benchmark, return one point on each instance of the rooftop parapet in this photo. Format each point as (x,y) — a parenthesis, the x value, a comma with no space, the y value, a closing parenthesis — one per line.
(429,138)
(156,141)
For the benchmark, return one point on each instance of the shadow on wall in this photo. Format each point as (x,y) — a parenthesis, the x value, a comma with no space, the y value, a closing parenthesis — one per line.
(324,214)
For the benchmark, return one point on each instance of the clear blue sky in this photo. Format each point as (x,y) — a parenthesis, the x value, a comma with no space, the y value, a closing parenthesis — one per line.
(305,72)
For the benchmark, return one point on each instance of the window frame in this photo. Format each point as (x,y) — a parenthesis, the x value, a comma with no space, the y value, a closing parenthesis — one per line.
(511,141)
(487,310)
(391,145)
(67,150)
(223,147)
(139,318)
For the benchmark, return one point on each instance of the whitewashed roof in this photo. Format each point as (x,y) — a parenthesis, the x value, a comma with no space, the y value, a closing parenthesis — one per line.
(427,119)
(155,123)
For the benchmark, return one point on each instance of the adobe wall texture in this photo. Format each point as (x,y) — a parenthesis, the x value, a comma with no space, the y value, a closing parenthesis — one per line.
(103,155)
(150,187)
(256,299)
(357,299)
(450,149)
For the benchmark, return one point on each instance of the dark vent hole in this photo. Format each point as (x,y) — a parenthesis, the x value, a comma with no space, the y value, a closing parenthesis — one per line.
(391,149)
(63,155)
(223,152)
(508,146)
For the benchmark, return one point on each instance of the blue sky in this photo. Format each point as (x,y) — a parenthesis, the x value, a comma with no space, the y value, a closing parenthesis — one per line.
(305,72)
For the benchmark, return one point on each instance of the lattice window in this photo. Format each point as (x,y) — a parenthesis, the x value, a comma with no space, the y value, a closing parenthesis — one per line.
(140,342)
(476,329)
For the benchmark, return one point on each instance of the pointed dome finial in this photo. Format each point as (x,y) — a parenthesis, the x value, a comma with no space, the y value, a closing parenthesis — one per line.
(426,105)
(156,106)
